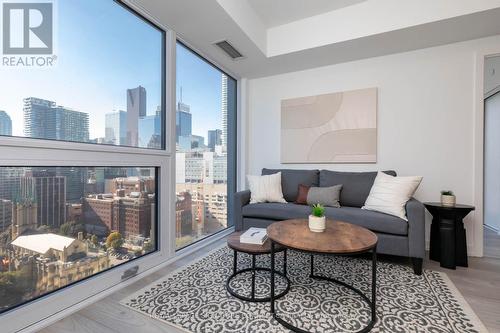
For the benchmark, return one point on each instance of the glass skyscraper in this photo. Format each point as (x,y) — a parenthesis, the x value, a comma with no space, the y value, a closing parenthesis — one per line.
(116,128)
(183,124)
(136,108)
(45,120)
(150,132)
(5,123)
(214,138)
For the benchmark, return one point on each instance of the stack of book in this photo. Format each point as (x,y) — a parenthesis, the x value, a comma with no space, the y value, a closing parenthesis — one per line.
(256,236)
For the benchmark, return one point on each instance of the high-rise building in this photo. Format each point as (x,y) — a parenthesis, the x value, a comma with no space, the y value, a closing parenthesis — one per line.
(48,191)
(214,138)
(5,214)
(116,128)
(45,120)
(5,123)
(224,110)
(39,120)
(71,125)
(197,141)
(183,122)
(136,108)
(76,178)
(9,182)
(150,132)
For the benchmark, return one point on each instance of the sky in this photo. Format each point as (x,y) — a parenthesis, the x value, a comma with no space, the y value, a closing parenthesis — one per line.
(102,50)
(201,85)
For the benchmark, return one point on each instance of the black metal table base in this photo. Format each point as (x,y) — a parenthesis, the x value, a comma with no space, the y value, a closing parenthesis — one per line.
(371,303)
(253,270)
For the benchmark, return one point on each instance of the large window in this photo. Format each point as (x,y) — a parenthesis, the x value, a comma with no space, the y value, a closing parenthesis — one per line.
(105,86)
(71,210)
(205,145)
(59,225)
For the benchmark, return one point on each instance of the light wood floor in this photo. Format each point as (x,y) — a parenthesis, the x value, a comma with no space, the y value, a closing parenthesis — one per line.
(479,283)
(491,244)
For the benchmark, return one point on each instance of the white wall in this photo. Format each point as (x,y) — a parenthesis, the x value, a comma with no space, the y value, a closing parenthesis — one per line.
(425,115)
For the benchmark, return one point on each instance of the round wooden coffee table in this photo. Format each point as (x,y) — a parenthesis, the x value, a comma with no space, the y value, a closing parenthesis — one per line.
(233,241)
(339,238)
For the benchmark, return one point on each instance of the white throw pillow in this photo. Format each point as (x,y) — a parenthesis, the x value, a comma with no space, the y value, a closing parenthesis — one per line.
(266,188)
(389,194)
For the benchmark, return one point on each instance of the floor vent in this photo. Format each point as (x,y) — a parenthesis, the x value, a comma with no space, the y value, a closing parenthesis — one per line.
(225,46)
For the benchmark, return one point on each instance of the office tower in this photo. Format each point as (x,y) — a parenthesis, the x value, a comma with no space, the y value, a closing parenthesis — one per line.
(9,182)
(76,178)
(197,141)
(136,108)
(71,125)
(45,120)
(39,118)
(116,128)
(5,214)
(150,132)
(214,138)
(224,110)
(183,122)
(48,191)
(5,123)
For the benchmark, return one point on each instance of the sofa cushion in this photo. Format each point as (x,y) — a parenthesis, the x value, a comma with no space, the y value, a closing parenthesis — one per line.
(276,211)
(375,221)
(291,179)
(355,185)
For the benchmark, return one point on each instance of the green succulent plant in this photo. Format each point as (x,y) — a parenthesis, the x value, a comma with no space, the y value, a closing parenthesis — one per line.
(318,210)
(447,192)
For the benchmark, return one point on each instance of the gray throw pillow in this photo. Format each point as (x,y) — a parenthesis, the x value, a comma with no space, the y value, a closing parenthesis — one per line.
(327,196)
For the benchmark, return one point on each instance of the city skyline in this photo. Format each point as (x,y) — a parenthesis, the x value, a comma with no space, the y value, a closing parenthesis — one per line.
(88,75)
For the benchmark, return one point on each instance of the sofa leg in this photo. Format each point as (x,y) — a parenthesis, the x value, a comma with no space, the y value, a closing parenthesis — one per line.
(417,265)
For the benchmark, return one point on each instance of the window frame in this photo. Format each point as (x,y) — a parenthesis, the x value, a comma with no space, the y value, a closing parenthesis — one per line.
(26,152)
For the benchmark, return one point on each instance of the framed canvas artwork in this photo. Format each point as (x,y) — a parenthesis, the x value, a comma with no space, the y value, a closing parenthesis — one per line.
(338,127)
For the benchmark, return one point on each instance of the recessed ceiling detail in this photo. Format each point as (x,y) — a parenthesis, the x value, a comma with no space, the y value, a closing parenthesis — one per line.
(277,12)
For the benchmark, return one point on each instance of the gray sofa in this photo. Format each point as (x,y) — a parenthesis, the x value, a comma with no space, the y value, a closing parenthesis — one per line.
(396,236)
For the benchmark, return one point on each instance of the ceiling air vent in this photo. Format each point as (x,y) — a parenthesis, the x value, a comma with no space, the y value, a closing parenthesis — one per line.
(229,49)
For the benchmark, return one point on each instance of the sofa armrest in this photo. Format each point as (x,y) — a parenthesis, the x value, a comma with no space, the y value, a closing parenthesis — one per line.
(241,199)
(415,211)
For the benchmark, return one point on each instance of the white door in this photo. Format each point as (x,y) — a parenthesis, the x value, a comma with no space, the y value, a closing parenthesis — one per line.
(492,162)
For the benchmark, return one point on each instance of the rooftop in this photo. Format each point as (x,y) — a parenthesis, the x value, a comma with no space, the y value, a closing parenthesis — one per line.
(41,243)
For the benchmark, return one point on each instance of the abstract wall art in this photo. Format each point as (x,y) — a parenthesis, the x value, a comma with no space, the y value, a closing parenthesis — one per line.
(338,127)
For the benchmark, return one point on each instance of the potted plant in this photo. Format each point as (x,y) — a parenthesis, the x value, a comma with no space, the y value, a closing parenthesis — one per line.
(448,198)
(317,220)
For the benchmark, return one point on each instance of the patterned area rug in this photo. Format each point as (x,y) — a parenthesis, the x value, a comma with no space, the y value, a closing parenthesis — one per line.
(194,298)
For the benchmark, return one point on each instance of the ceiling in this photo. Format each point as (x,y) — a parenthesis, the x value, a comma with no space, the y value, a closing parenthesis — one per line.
(277,12)
(368,29)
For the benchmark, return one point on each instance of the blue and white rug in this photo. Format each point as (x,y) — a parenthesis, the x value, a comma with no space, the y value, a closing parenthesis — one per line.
(194,298)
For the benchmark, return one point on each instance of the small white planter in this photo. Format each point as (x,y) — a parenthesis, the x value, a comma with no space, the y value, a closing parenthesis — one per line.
(448,200)
(317,224)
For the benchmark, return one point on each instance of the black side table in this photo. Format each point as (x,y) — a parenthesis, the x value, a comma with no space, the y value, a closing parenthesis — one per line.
(448,240)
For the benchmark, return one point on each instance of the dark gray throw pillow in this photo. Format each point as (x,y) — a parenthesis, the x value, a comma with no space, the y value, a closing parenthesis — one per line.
(326,196)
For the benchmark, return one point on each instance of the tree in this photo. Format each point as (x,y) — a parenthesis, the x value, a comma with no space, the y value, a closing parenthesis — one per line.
(67,229)
(114,240)
(148,247)
(94,240)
